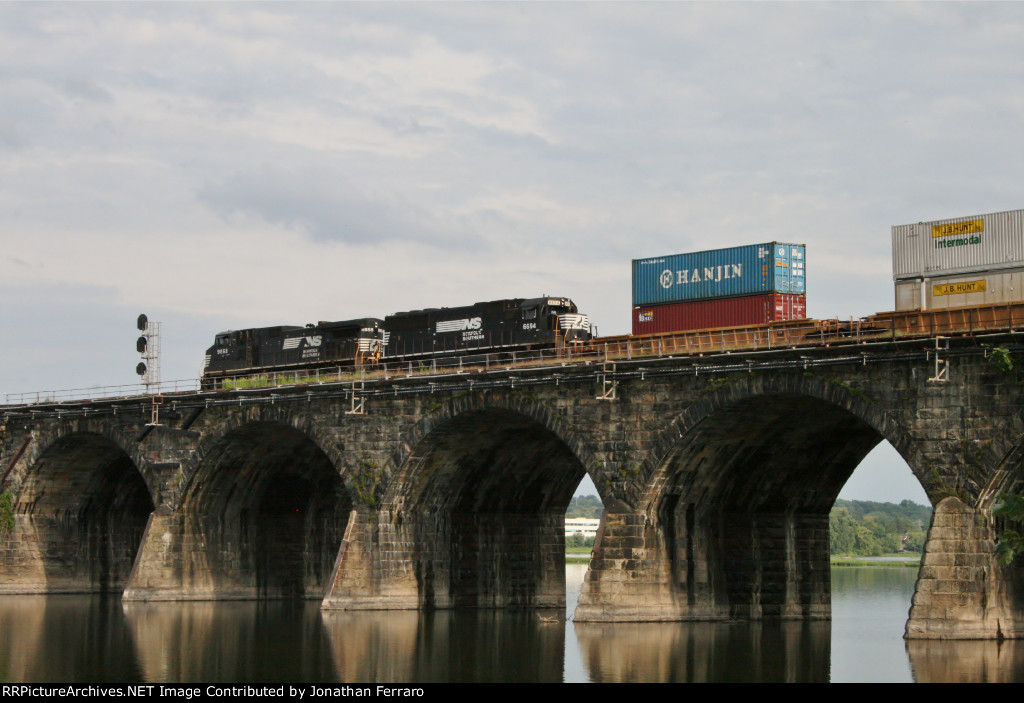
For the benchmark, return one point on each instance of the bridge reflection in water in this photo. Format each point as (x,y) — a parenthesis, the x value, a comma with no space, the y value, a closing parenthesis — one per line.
(94,638)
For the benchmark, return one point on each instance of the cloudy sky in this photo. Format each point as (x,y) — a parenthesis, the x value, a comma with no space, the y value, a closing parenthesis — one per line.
(221,166)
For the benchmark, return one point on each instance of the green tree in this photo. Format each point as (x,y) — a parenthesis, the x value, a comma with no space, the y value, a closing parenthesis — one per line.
(1009,506)
(585,506)
(578,540)
(867,528)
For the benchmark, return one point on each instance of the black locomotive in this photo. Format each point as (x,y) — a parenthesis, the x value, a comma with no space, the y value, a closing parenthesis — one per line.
(499,326)
(289,347)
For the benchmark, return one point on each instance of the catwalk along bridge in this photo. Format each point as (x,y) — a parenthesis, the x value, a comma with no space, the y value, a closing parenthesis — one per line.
(717,455)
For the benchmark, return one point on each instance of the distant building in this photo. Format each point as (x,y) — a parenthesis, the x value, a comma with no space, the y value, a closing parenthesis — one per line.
(586,526)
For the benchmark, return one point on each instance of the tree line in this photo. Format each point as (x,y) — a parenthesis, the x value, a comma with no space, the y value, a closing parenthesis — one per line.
(856,527)
(866,528)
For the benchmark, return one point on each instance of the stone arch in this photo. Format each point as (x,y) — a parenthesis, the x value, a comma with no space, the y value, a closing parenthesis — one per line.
(233,420)
(733,504)
(264,510)
(53,432)
(1006,454)
(807,393)
(474,512)
(82,504)
(486,400)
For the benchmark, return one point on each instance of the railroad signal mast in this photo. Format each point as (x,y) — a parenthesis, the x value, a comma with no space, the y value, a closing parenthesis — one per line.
(148,345)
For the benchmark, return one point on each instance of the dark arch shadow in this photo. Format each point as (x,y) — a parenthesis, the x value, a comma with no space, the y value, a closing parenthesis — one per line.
(88,506)
(264,516)
(481,499)
(740,502)
(839,403)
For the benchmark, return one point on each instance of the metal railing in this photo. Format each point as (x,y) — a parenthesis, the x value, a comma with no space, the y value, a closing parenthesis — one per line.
(755,338)
(100,393)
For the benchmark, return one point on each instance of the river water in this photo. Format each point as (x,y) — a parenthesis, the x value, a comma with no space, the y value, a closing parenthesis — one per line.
(91,639)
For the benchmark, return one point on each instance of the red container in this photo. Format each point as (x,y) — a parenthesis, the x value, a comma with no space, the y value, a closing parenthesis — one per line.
(719,312)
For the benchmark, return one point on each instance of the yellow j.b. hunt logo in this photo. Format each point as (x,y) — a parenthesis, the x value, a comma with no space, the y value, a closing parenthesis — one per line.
(956,228)
(958,288)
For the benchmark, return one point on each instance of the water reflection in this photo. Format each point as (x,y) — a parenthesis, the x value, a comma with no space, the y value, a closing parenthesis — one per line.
(251,641)
(95,639)
(447,646)
(869,614)
(700,652)
(938,661)
(65,638)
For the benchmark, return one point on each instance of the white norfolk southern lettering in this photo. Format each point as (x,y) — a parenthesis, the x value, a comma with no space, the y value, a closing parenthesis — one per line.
(294,342)
(473,323)
(573,321)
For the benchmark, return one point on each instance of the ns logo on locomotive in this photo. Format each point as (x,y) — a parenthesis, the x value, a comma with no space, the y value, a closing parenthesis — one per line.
(499,326)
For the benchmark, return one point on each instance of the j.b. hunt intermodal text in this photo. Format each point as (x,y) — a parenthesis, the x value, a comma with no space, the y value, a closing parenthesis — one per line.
(191,692)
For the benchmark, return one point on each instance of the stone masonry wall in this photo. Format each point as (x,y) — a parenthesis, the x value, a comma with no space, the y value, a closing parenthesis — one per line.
(717,488)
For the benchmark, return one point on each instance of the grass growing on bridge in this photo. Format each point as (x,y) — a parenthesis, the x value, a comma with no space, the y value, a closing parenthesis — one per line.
(266,380)
(6,512)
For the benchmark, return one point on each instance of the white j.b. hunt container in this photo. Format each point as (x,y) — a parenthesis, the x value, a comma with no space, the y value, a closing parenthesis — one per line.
(958,245)
(974,260)
(961,290)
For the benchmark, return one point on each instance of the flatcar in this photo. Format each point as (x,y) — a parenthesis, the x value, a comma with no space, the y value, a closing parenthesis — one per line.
(284,347)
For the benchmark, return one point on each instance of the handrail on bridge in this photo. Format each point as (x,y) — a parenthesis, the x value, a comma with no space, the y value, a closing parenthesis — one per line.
(770,336)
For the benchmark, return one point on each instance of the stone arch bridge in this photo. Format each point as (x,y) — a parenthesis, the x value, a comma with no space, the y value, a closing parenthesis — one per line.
(717,475)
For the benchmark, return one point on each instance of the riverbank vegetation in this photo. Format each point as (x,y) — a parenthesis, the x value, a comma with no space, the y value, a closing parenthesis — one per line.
(585,506)
(857,528)
(868,529)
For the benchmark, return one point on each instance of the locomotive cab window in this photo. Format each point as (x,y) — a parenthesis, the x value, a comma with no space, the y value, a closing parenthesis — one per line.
(223,341)
(530,314)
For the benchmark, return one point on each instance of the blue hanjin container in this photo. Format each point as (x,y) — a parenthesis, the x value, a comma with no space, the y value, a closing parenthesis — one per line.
(774,267)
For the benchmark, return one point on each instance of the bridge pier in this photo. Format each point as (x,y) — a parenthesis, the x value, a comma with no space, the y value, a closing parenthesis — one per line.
(463,561)
(629,578)
(962,592)
(709,566)
(157,573)
(21,560)
(370,572)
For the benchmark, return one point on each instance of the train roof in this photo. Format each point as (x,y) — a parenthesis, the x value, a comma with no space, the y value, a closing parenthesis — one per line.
(549,300)
(276,328)
(506,302)
(358,322)
(279,329)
